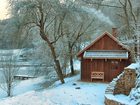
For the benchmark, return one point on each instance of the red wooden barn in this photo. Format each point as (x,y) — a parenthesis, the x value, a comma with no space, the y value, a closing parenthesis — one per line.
(104,58)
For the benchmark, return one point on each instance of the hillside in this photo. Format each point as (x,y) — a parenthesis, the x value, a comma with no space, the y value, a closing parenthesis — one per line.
(73,92)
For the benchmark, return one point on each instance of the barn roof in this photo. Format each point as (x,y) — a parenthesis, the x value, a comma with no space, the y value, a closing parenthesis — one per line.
(94,41)
(106,54)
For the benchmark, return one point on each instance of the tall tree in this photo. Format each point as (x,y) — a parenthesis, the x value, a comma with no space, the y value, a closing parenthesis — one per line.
(76,26)
(73,37)
(45,16)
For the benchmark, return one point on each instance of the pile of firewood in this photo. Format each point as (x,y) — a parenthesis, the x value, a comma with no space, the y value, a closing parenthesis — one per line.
(126,82)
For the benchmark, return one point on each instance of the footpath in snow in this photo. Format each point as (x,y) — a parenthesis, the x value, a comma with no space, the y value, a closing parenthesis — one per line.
(73,92)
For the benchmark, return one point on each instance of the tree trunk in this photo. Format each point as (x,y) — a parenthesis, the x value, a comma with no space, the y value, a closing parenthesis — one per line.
(57,65)
(71,58)
(50,45)
(124,6)
(59,71)
(71,64)
(138,47)
(9,90)
(127,21)
(56,61)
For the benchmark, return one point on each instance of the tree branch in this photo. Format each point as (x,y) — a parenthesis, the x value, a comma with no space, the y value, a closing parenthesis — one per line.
(133,15)
(99,4)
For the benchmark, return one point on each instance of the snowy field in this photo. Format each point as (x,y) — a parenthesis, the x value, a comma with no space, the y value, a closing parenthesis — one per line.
(62,94)
(25,86)
(73,92)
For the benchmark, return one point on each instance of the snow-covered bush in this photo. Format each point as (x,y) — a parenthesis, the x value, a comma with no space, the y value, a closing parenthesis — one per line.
(135,92)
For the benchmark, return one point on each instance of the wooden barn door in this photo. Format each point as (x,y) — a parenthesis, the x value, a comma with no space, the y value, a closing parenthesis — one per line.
(114,69)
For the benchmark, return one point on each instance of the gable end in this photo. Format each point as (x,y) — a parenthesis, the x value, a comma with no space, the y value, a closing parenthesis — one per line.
(98,38)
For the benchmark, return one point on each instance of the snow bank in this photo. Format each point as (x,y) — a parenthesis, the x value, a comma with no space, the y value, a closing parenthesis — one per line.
(68,94)
(134,66)
(30,98)
(25,86)
(28,85)
(121,98)
(135,92)
(73,92)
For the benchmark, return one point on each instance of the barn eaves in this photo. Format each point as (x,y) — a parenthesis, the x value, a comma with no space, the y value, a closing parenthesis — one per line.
(106,54)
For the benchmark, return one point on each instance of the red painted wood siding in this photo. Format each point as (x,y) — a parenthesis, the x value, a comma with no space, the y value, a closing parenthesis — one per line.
(106,43)
(110,69)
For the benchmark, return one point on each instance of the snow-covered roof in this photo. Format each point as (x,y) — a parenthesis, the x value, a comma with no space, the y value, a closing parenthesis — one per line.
(107,54)
(99,37)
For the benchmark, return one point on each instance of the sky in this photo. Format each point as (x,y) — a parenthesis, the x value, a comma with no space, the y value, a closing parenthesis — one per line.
(3,9)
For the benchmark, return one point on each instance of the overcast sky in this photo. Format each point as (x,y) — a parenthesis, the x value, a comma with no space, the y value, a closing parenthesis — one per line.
(3,9)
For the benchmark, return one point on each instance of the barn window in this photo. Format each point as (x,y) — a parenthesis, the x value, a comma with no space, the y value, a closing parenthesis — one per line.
(115,65)
(115,62)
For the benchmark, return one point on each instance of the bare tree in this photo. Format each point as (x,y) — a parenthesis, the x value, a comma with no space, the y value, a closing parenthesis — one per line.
(137,43)
(44,15)
(8,70)
(132,25)
(73,38)
(77,27)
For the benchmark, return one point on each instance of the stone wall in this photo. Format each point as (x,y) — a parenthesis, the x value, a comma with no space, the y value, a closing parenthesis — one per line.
(120,85)
(112,102)
(109,93)
(126,82)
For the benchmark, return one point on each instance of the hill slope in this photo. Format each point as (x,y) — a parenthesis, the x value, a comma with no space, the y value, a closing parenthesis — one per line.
(73,92)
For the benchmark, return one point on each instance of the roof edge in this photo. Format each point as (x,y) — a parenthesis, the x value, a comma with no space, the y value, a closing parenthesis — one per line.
(100,36)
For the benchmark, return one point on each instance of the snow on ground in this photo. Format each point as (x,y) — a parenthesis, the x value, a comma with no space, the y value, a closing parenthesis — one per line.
(30,98)
(28,85)
(134,66)
(88,94)
(120,98)
(63,94)
(25,86)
